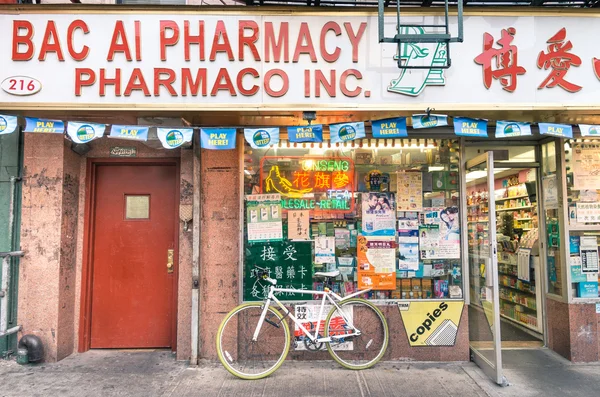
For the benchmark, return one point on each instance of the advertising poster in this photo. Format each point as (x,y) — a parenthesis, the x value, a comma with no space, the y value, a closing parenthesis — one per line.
(408,244)
(410,184)
(589,254)
(298,225)
(550,192)
(308,315)
(376,258)
(324,250)
(431,323)
(439,234)
(263,217)
(378,214)
(586,166)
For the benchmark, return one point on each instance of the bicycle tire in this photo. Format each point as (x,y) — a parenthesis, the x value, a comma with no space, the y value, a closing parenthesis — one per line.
(359,347)
(244,330)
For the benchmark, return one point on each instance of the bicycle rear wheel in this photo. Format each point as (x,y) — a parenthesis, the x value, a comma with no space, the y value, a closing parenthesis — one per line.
(357,351)
(249,359)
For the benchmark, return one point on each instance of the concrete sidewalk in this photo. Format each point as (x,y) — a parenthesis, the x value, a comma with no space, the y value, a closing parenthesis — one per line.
(156,373)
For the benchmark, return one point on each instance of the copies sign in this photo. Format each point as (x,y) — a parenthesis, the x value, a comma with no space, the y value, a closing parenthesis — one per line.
(431,323)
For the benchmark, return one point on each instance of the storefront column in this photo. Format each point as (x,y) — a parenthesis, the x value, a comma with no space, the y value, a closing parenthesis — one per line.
(219,241)
(49,229)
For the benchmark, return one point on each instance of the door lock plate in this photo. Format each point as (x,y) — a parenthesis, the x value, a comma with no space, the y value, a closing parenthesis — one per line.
(170,254)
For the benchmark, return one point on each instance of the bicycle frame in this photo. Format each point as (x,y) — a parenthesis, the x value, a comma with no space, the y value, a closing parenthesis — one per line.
(327,295)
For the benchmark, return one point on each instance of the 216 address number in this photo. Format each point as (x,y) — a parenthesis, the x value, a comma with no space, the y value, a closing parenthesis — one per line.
(21,85)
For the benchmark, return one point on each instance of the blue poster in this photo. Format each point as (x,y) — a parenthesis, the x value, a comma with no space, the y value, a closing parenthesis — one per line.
(345,132)
(44,126)
(506,129)
(8,124)
(134,132)
(429,121)
(559,130)
(85,132)
(172,138)
(218,138)
(586,130)
(306,133)
(464,126)
(389,128)
(260,138)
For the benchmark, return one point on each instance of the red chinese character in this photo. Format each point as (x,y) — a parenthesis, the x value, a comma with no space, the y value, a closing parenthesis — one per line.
(506,68)
(596,63)
(560,61)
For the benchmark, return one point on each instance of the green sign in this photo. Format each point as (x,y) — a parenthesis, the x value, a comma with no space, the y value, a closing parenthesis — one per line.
(289,262)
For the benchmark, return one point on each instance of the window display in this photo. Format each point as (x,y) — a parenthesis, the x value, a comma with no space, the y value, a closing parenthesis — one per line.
(385,213)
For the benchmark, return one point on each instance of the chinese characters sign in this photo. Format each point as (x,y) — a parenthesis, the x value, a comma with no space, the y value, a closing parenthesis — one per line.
(290,263)
(298,225)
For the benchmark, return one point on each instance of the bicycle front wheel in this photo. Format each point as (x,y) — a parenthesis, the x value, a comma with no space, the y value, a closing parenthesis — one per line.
(248,359)
(359,336)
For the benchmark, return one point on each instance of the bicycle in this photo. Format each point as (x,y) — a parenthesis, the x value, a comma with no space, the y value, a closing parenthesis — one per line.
(254,339)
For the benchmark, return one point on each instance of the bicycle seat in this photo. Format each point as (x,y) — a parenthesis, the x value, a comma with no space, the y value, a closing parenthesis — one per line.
(334,273)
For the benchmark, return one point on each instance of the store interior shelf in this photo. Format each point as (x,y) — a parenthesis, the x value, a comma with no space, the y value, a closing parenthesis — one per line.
(517,289)
(523,219)
(513,209)
(519,304)
(509,198)
(531,327)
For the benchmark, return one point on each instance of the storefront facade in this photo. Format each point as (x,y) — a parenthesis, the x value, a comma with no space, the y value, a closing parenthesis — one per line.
(95,236)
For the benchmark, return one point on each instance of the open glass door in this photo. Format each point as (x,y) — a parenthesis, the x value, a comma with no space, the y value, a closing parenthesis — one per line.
(484,308)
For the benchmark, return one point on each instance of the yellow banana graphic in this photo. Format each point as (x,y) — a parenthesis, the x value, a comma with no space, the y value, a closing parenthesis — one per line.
(281,185)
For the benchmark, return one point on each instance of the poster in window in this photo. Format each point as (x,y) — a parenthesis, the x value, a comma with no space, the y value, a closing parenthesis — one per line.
(439,233)
(586,166)
(410,184)
(376,257)
(298,225)
(308,314)
(378,214)
(408,244)
(589,254)
(550,192)
(263,217)
(324,250)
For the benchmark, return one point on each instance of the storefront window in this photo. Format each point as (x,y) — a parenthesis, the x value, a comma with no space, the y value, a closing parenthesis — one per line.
(384,213)
(582,158)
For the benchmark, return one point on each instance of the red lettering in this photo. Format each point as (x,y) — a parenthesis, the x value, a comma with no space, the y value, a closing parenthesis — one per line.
(80,81)
(221,31)
(167,83)
(240,81)
(355,38)
(136,82)
(85,50)
(167,41)
(267,83)
(306,83)
(321,80)
(281,44)
(225,85)
(116,82)
(48,46)
(308,48)
(25,40)
(344,86)
(138,40)
(248,40)
(188,81)
(115,46)
(330,56)
(596,63)
(189,39)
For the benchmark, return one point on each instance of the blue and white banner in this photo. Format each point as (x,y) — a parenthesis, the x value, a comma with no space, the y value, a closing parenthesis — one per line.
(306,133)
(586,130)
(464,126)
(429,121)
(84,132)
(44,126)
(389,128)
(506,129)
(345,132)
(260,138)
(218,138)
(559,130)
(134,132)
(8,124)
(172,138)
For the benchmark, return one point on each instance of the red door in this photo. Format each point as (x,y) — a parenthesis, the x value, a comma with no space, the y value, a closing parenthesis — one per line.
(133,231)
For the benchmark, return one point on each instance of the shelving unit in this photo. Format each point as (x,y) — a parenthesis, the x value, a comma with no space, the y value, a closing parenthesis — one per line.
(514,208)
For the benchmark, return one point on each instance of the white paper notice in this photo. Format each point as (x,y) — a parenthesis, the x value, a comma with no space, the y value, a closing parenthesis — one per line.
(586,166)
(324,250)
(588,248)
(410,191)
(588,212)
(550,192)
(523,256)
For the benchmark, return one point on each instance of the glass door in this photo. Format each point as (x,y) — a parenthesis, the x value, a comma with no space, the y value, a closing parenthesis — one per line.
(484,308)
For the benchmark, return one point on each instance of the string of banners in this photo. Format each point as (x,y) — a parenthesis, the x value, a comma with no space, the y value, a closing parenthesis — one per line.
(257,138)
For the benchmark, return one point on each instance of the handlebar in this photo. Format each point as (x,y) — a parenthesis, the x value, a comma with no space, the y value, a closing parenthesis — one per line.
(264,274)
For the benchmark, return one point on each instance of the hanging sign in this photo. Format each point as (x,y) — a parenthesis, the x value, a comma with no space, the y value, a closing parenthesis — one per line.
(260,138)
(306,133)
(589,130)
(346,132)
(559,130)
(431,323)
(85,132)
(8,124)
(44,126)
(506,129)
(172,138)
(132,132)
(389,128)
(218,138)
(428,120)
(464,126)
